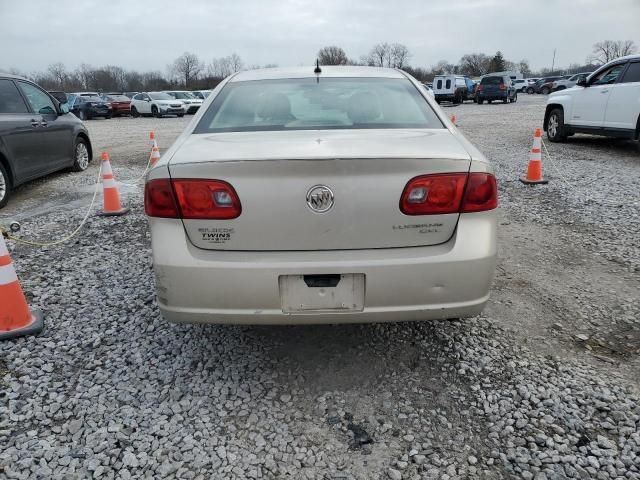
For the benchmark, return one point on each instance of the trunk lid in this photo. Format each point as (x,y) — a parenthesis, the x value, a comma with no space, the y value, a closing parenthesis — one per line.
(273,173)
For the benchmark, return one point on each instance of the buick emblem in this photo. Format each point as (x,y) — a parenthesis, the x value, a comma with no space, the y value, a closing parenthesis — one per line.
(320,198)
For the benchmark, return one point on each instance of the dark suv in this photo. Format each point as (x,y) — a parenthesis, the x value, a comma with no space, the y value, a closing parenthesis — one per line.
(499,87)
(38,135)
(543,85)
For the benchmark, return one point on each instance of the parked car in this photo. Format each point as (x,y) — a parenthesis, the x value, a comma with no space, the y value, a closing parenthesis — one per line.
(201,94)
(569,82)
(192,104)
(130,94)
(452,88)
(157,104)
(59,96)
(87,108)
(120,104)
(38,135)
(606,103)
(496,88)
(87,94)
(542,82)
(262,212)
(521,84)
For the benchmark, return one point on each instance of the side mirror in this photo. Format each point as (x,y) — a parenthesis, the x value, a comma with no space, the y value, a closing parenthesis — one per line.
(582,82)
(64,108)
(147,99)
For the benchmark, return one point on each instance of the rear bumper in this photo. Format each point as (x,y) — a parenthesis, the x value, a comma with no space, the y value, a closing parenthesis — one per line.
(492,96)
(445,96)
(450,280)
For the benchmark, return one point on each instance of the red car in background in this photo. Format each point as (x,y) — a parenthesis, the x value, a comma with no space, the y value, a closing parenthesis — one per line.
(120,104)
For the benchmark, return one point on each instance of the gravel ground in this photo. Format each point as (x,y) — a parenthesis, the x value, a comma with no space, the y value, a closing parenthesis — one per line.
(543,385)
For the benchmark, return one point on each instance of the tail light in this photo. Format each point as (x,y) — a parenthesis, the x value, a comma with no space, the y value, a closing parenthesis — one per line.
(441,194)
(503,86)
(191,199)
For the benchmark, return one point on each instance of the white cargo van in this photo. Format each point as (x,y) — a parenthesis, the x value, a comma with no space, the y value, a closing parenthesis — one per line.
(452,88)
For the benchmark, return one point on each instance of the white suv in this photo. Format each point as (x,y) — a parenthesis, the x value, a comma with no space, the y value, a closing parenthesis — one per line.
(606,103)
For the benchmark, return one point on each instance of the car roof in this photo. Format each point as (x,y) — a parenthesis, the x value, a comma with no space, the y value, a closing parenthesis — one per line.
(307,72)
(16,77)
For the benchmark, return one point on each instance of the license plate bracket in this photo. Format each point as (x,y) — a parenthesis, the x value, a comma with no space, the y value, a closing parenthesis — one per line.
(322,292)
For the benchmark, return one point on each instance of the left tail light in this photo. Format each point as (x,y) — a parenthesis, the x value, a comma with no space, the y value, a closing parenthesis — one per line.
(440,194)
(193,199)
(503,86)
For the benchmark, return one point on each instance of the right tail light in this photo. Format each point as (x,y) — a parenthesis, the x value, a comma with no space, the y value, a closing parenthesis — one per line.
(440,194)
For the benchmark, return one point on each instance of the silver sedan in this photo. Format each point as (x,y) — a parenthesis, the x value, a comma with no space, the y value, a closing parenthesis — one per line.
(344,195)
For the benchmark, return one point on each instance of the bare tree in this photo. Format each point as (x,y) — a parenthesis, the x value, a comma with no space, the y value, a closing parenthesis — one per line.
(187,67)
(474,64)
(443,67)
(604,52)
(524,68)
(399,56)
(58,73)
(224,66)
(332,55)
(378,55)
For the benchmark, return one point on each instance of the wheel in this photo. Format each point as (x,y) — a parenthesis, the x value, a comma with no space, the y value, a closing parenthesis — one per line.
(480,101)
(505,99)
(134,112)
(515,98)
(155,112)
(180,115)
(5,186)
(555,126)
(545,91)
(489,101)
(81,155)
(82,116)
(108,116)
(530,90)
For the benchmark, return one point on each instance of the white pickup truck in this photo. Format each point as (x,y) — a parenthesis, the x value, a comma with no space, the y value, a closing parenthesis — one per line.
(605,103)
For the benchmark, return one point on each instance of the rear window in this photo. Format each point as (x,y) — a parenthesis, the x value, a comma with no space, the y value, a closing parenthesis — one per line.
(439,85)
(491,81)
(10,99)
(308,104)
(448,83)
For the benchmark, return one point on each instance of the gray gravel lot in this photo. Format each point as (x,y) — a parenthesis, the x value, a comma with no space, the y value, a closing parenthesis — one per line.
(543,385)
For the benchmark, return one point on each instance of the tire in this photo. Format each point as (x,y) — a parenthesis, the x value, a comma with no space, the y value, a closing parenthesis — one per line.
(545,91)
(108,116)
(5,186)
(505,99)
(82,116)
(555,126)
(134,112)
(530,90)
(81,155)
(155,112)
(180,115)
(489,101)
(480,101)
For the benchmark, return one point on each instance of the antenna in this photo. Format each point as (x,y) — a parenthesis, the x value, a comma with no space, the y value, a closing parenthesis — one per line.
(317,70)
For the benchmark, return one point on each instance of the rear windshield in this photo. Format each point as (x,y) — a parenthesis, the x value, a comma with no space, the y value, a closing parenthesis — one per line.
(309,104)
(491,81)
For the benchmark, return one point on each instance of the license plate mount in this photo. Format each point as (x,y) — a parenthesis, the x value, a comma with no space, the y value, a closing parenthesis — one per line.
(322,292)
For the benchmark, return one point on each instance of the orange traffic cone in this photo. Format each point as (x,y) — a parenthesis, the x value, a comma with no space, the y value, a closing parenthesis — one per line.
(534,170)
(453,119)
(16,320)
(155,156)
(152,139)
(112,205)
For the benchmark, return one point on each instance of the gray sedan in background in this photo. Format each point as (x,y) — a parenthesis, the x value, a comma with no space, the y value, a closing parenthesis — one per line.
(38,135)
(344,195)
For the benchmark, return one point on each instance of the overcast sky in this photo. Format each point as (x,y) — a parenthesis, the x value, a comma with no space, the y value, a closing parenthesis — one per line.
(149,34)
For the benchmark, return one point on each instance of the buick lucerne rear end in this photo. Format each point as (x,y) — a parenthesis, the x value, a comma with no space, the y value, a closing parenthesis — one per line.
(339,196)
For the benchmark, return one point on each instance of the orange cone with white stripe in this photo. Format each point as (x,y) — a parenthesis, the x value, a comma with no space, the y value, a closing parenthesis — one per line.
(152,139)
(112,204)
(16,320)
(534,169)
(453,120)
(155,156)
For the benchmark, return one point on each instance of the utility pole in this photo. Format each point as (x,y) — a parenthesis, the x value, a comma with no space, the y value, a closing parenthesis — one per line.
(553,64)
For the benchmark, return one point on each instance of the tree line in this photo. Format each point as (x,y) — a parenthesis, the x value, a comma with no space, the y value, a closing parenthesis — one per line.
(188,71)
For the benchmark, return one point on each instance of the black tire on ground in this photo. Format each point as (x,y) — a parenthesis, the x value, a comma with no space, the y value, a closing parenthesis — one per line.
(5,186)
(505,99)
(81,155)
(479,101)
(180,115)
(107,116)
(155,112)
(555,126)
(530,90)
(134,112)
(545,91)
(489,101)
